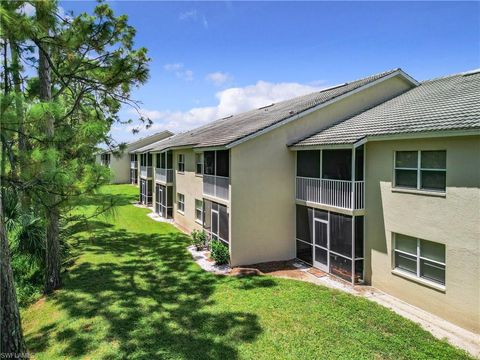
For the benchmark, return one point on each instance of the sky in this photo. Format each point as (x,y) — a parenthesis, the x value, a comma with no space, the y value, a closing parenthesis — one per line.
(215,59)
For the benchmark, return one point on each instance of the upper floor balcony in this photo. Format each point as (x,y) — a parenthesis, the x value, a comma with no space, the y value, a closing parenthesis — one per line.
(146,171)
(133,164)
(217,186)
(332,178)
(164,176)
(216,174)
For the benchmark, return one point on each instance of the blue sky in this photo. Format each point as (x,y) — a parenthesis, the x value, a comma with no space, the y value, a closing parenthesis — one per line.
(211,59)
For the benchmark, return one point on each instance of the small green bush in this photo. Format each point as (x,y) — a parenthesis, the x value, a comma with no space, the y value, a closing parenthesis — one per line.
(199,239)
(220,252)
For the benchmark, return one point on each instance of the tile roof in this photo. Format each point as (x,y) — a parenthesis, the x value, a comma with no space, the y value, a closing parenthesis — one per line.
(447,103)
(233,128)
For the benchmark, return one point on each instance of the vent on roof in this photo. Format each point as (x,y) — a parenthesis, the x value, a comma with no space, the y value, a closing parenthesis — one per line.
(471,72)
(226,117)
(267,106)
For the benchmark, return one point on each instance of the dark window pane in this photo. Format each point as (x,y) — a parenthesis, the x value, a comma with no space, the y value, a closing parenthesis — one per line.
(358,270)
(169,160)
(163,163)
(198,170)
(170,196)
(308,163)
(209,162)
(321,256)
(214,222)
(337,164)
(432,251)
(304,252)
(222,163)
(341,234)
(223,231)
(359,163)
(433,272)
(321,233)
(303,224)
(433,180)
(406,178)
(149,159)
(158,160)
(406,159)
(341,267)
(207,210)
(359,236)
(434,159)
(406,262)
(321,214)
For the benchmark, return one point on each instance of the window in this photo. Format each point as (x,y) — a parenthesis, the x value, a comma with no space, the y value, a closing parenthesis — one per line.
(198,163)
(105,159)
(181,162)
(181,202)
(421,258)
(199,211)
(423,170)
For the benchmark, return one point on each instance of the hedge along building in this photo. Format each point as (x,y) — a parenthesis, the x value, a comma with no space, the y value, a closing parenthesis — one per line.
(261,183)
(123,165)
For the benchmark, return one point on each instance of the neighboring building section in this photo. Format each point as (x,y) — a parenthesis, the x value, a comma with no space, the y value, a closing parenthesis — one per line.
(124,165)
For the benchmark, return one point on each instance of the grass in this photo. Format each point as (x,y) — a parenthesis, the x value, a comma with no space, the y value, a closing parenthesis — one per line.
(135,292)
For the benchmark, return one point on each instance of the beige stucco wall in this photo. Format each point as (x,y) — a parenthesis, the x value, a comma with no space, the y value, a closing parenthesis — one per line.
(263,176)
(120,168)
(191,186)
(453,220)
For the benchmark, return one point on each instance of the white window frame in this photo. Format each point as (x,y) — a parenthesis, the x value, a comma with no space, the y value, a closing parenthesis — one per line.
(181,160)
(199,207)
(418,169)
(181,203)
(199,161)
(418,259)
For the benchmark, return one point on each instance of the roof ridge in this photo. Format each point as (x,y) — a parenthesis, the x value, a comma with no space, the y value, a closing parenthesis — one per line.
(463,73)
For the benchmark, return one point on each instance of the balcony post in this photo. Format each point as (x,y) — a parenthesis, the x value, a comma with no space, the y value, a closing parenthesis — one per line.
(353,217)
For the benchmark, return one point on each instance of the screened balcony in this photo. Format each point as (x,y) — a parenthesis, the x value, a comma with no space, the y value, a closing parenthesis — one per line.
(164,167)
(331,177)
(146,169)
(216,171)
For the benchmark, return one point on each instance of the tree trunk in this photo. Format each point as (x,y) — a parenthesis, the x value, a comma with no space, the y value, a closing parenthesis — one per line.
(52,213)
(15,70)
(11,339)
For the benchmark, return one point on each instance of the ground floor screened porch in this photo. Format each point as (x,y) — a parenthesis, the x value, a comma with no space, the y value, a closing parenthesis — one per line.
(331,242)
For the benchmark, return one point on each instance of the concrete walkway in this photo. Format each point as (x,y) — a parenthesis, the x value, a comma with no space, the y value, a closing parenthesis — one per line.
(297,270)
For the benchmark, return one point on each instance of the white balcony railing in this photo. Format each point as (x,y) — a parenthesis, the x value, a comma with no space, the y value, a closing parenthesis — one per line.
(336,193)
(164,175)
(146,171)
(133,164)
(216,186)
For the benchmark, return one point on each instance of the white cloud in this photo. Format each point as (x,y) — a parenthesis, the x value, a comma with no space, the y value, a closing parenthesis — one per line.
(230,101)
(179,70)
(27,9)
(194,15)
(219,78)
(191,14)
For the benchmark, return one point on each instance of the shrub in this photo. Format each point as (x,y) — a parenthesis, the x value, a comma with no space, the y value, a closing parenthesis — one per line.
(220,252)
(199,239)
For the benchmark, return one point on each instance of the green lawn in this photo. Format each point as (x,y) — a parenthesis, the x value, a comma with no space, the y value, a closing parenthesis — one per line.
(134,292)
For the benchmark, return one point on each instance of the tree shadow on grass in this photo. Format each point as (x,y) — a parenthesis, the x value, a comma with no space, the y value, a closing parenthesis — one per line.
(152,297)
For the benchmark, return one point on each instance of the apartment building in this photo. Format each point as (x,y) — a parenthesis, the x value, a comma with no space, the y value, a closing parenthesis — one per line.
(376,181)
(123,164)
